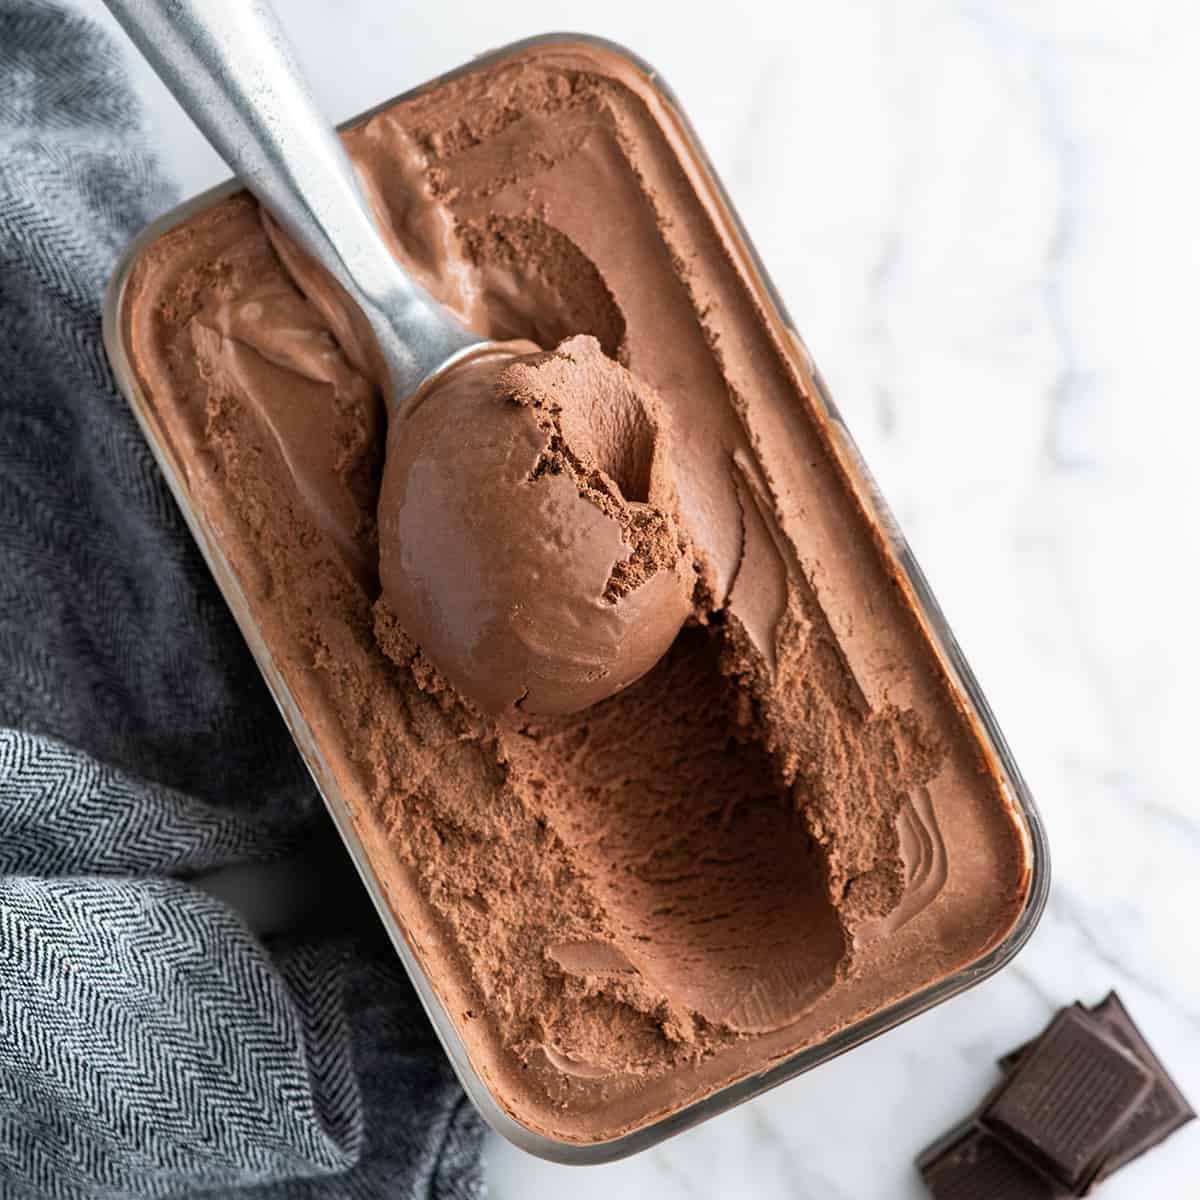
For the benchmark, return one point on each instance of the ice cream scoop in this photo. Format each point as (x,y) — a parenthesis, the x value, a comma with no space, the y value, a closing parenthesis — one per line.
(527,541)
(527,527)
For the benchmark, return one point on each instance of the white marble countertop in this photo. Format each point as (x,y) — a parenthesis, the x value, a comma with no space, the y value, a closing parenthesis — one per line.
(983,217)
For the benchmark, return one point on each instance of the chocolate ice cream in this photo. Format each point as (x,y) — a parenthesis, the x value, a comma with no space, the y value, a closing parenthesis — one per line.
(527,533)
(792,819)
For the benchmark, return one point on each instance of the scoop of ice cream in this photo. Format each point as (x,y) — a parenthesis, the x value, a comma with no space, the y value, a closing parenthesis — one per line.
(528,535)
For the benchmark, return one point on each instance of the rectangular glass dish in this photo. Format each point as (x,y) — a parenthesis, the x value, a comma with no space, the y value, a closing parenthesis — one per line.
(572,78)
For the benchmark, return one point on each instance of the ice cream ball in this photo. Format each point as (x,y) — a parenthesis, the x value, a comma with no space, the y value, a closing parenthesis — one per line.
(528,530)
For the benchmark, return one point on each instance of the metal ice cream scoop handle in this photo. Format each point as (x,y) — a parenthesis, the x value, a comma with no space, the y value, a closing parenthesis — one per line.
(229,64)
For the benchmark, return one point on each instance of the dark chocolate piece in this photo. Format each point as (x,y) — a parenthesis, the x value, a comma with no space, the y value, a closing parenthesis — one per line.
(971,1164)
(1010,1060)
(1162,1112)
(1067,1098)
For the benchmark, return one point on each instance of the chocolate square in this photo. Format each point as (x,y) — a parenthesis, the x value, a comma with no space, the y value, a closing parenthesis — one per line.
(1010,1060)
(971,1164)
(1163,1111)
(1067,1097)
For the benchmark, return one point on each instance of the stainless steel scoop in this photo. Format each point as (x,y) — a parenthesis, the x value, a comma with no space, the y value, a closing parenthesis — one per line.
(229,64)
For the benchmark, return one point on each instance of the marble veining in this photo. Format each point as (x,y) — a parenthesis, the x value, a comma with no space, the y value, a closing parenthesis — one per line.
(982,216)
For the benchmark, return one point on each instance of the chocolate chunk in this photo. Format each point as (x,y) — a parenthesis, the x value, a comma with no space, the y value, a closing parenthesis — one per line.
(1078,1103)
(1164,1109)
(1067,1098)
(1010,1060)
(971,1164)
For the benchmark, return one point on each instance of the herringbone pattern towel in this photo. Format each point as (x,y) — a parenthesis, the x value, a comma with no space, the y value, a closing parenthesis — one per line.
(149,1044)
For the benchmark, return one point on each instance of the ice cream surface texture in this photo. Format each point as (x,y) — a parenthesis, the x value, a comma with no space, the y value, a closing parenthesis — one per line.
(733,805)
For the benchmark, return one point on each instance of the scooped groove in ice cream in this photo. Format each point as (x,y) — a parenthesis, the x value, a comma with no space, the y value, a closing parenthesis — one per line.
(527,531)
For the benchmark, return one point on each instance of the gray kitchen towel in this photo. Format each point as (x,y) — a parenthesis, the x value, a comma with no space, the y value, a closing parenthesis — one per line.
(150,1044)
